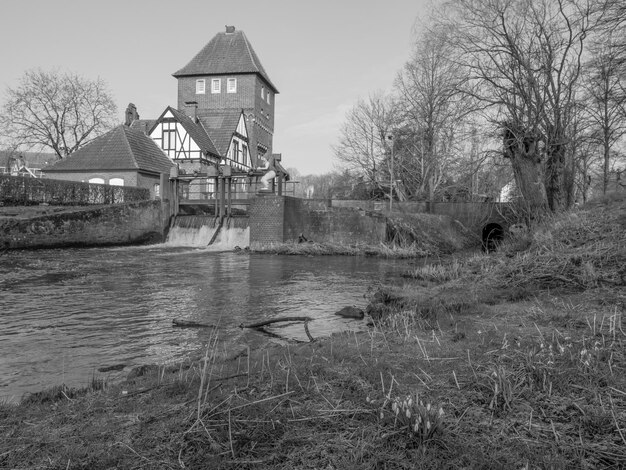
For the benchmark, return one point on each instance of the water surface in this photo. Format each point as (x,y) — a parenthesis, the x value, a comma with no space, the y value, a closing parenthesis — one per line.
(67,313)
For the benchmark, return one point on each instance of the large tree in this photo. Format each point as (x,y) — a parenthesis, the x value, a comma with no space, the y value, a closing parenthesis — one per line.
(433,108)
(524,59)
(362,144)
(62,111)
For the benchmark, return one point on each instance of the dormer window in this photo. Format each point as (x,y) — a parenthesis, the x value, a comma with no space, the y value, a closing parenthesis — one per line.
(231,85)
(200,87)
(216,85)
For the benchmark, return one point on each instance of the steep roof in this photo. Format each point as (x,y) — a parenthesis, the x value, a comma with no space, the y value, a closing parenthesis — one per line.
(122,148)
(220,124)
(195,131)
(227,53)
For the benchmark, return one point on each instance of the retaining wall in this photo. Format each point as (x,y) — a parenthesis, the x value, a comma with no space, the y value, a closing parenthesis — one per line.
(119,224)
(280,219)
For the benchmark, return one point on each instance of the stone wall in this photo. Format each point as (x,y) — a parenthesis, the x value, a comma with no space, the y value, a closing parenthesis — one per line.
(473,215)
(119,224)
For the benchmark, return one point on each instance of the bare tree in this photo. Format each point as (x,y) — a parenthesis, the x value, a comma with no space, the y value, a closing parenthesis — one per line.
(59,111)
(524,59)
(605,86)
(361,144)
(433,108)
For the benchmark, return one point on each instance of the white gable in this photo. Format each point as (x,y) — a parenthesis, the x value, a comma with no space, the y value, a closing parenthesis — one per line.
(241,126)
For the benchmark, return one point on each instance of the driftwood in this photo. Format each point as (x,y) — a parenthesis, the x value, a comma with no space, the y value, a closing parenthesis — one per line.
(190,324)
(260,325)
(274,320)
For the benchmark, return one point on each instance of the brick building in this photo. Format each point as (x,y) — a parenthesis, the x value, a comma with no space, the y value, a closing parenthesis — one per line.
(121,157)
(228,75)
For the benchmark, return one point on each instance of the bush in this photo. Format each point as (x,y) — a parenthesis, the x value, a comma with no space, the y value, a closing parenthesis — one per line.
(20,191)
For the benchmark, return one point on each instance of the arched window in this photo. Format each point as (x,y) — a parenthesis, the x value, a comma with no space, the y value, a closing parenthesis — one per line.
(116,181)
(96,180)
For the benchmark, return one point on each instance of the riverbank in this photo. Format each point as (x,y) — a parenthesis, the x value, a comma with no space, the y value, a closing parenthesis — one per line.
(509,360)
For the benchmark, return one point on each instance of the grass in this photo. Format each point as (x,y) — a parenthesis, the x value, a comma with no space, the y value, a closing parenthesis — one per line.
(496,361)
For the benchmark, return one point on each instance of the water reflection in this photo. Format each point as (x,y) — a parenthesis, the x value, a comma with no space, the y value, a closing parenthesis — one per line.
(66,313)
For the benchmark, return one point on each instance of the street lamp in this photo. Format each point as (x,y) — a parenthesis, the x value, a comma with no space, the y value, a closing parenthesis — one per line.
(389,138)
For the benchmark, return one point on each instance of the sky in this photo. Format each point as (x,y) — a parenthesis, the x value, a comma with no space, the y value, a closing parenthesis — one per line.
(322,55)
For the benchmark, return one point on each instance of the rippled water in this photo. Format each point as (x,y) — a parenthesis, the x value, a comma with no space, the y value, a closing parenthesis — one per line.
(67,313)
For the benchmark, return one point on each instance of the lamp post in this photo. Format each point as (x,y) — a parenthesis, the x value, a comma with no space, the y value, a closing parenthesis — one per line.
(389,138)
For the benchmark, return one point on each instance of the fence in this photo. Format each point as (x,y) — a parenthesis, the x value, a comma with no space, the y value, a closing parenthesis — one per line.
(23,191)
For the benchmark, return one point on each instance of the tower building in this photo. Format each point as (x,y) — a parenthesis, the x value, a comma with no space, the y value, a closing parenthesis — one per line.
(228,75)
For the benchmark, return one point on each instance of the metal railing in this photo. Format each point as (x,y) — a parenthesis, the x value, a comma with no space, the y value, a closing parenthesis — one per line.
(203,189)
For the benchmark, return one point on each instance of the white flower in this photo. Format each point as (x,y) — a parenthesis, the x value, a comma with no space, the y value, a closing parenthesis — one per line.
(408,413)
(415,427)
(440,411)
(428,407)
(381,415)
(427,425)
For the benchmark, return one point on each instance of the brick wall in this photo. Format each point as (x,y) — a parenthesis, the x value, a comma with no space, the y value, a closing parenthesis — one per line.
(243,99)
(267,220)
(248,98)
(280,219)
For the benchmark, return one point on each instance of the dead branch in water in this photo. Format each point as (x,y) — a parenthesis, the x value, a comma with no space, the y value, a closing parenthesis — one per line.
(274,320)
(190,324)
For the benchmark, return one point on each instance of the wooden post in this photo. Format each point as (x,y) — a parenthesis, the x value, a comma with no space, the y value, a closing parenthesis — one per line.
(230,196)
(222,197)
(279,176)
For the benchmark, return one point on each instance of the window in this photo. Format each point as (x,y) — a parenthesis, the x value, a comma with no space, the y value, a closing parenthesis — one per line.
(231,85)
(169,140)
(235,155)
(245,155)
(200,87)
(269,101)
(96,180)
(216,85)
(156,190)
(116,181)
(262,92)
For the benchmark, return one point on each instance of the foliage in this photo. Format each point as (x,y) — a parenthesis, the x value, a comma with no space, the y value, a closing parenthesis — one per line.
(59,111)
(23,191)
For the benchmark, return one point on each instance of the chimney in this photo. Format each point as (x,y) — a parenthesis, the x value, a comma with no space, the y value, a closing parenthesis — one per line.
(230,29)
(191,110)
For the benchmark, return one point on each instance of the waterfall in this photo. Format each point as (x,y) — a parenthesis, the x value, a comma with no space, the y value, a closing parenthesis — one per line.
(205,231)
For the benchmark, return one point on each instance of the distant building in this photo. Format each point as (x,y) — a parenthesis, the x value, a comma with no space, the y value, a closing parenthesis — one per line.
(121,157)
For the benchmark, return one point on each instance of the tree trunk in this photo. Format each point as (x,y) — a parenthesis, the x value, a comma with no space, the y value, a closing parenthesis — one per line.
(555,178)
(529,179)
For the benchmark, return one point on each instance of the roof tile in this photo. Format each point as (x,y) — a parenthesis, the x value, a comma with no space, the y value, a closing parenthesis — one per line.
(226,53)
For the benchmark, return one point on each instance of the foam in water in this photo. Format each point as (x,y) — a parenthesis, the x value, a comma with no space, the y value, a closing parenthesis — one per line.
(198,231)
(229,238)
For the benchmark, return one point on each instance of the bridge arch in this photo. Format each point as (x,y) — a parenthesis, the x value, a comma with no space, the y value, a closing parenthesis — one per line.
(492,236)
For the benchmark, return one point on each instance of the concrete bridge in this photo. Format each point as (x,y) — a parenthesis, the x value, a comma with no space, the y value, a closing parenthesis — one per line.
(490,221)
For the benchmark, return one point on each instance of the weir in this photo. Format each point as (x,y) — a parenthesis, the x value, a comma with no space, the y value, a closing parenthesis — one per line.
(208,231)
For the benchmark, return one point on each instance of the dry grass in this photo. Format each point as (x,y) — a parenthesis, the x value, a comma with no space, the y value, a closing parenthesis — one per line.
(525,376)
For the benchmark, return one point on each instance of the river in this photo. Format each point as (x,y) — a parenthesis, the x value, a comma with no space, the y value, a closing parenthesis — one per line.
(68,313)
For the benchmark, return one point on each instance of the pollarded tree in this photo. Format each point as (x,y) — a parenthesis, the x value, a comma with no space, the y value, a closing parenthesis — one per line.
(59,111)
(524,59)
